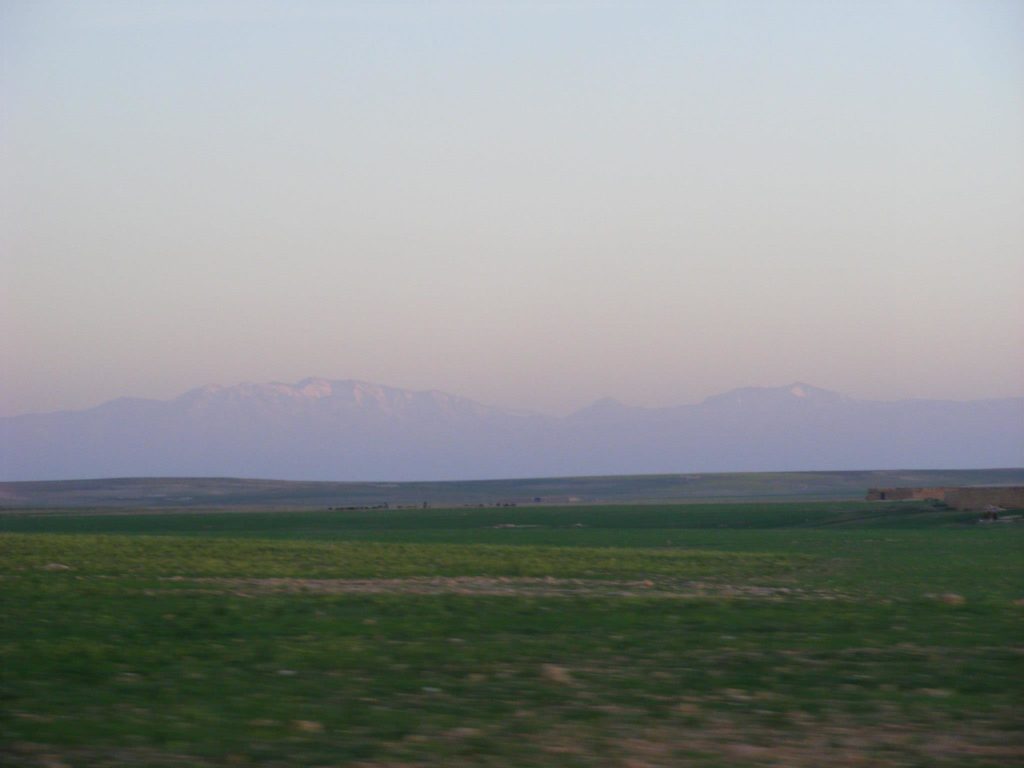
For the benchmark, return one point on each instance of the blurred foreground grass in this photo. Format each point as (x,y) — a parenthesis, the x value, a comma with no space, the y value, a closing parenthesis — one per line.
(867,646)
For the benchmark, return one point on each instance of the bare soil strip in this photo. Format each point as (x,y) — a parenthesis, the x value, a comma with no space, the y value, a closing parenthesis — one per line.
(719,740)
(510,586)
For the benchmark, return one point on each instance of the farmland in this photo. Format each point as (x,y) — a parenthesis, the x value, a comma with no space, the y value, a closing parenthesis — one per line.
(755,634)
(136,493)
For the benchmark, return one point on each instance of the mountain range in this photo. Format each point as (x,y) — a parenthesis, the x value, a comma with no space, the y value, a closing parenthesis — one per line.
(319,429)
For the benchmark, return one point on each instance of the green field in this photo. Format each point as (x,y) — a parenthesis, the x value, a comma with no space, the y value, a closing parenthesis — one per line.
(800,634)
(226,492)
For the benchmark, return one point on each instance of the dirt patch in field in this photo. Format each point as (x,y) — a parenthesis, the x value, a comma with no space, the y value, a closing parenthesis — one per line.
(510,586)
(831,742)
(720,740)
(726,741)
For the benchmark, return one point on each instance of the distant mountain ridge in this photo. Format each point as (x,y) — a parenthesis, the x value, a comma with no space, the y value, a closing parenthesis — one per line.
(322,429)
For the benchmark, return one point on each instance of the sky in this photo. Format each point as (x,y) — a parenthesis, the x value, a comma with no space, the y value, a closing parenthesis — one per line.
(533,204)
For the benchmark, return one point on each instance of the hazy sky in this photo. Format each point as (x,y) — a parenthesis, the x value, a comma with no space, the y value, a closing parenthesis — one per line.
(533,204)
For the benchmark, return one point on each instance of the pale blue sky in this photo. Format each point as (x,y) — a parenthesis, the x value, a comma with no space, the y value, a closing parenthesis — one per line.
(533,204)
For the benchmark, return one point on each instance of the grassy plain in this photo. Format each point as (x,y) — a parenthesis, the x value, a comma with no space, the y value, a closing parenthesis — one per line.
(838,633)
(207,492)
